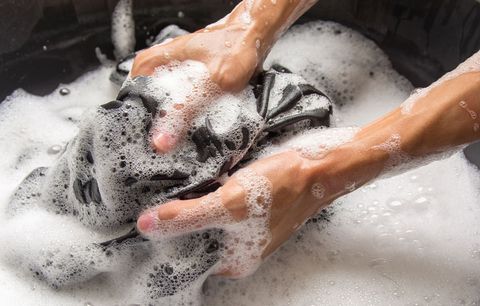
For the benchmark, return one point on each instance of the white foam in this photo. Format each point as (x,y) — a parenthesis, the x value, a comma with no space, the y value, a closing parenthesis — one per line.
(397,157)
(248,239)
(123,29)
(423,251)
(312,144)
(318,191)
(472,64)
(403,240)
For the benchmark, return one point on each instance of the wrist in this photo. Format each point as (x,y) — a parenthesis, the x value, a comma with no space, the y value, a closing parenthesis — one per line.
(257,33)
(265,21)
(346,168)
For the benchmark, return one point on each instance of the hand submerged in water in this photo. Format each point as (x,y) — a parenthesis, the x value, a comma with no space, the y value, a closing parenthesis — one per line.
(232,49)
(263,204)
(256,217)
(274,196)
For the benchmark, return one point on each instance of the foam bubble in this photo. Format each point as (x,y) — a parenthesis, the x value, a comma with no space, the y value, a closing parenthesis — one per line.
(369,252)
(123,29)
(472,64)
(318,191)
(248,239)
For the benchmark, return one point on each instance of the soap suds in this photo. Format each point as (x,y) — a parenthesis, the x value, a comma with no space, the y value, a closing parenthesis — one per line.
(249,238)
(396,156)
(123,29)
(403,240)
(318,191)
(472,64)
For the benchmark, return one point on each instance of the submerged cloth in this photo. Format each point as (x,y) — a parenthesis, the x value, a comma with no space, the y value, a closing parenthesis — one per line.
(109,173)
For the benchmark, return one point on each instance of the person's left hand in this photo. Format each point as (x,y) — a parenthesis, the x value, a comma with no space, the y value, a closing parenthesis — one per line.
(260,206)
(272,195)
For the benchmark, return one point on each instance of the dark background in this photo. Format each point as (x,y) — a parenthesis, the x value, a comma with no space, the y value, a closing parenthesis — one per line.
(45,42)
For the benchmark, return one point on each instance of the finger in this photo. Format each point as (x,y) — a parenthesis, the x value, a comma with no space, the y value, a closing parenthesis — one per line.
(149,220)
(180,217)
(146,61)
(177,120)
(218,209)
(172,127)
(164,142)
(226,273)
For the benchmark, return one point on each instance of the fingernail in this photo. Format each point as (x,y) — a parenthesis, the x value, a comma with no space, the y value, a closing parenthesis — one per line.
(164,142)
(166,213)
(147,222)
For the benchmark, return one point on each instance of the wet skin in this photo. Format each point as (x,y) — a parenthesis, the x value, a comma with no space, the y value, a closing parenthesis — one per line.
(435,123)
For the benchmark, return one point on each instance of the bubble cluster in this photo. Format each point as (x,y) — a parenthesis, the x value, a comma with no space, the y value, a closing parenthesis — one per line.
(472,64)
(248,238)
(396,156)
(318,191)
(411,239)
(471,113)
(123,29)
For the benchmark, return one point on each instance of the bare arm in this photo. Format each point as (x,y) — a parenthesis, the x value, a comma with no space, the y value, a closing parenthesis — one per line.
(236,44)
(441,117)
(445,115)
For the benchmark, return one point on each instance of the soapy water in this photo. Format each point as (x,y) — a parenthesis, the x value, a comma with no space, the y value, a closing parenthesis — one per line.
(108,174)
(370,252)
(407,240)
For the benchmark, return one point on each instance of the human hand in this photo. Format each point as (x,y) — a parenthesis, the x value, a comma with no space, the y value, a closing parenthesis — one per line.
(258,208)
(263,204)
(231,49)
(227,50)
(230,57)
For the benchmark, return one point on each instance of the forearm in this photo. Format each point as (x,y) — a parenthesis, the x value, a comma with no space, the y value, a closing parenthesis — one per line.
(445,115)
(266,20)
